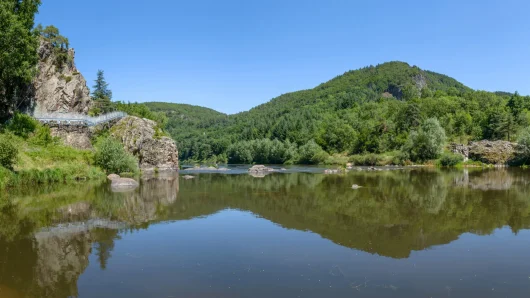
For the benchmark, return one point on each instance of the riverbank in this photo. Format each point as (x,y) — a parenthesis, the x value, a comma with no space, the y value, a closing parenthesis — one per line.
(37,162)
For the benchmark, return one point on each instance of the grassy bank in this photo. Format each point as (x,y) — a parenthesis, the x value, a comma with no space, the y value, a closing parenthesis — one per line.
(29,155)
(47,163)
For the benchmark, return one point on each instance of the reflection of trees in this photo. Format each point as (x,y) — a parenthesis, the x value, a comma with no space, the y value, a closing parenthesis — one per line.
(40,258)
(394,213)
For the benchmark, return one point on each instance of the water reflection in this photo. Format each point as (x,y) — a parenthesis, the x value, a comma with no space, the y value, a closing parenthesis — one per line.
(47,235)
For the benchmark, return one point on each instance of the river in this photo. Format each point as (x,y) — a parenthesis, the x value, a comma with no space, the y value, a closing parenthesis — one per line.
(296,233)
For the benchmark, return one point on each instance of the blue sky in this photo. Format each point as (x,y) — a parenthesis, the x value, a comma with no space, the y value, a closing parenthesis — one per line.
(233,55)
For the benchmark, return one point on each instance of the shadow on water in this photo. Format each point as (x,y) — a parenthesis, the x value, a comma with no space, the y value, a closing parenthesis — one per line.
(47,234)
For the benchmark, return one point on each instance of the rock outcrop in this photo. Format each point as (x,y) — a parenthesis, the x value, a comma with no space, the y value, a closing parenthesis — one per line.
(139,137)
(73,136)
(460,149)
(59,89)
(492,152)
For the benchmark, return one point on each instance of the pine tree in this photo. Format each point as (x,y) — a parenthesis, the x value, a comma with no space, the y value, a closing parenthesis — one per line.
(101,88)
(101,95)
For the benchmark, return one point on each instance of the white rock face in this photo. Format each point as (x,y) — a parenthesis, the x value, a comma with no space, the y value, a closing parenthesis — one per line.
(59,90)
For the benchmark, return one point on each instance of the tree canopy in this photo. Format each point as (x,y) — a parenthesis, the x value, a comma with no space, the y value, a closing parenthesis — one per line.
(18,53)
(370,110)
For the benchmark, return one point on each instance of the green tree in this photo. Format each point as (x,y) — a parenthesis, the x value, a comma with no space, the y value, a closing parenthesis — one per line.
(60,44)
(101,95)
(523,144)
(426,143)
(22,125)
(18,53)
(8,153)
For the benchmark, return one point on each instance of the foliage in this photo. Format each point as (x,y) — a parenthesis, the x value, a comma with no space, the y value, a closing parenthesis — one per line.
(449,159)
(261,151)
(42,159)
(112,157)
(60,44)
(101,95)
(523,143)
(22,125)
(8,153)
(427,143)
(373,110)
(18,53)
(311,153)
(142,111)
(43,137)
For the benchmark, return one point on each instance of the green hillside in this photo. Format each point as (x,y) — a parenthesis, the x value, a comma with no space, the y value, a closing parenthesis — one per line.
(369,110)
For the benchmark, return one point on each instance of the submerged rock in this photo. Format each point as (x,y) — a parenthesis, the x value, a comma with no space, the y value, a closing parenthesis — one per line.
(355,186)
(334,171)
(122,184)
(260,169)
(188,177)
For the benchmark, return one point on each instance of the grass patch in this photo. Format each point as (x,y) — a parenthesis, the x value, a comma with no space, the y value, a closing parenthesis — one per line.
(41,163)
(372,159)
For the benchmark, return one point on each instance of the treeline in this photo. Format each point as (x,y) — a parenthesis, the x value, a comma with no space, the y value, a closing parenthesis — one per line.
(275,152)
(374,110)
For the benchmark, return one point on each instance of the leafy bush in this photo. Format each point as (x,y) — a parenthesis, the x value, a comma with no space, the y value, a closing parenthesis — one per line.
(6,177)
(311,153)
(43,137)
(22,125)
(523,146)
(426,143)
(450,159)
(112,157)
(8,153)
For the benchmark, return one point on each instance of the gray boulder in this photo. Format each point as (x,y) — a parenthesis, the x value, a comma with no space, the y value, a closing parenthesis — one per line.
(492,152)
(260,169)
(140,139)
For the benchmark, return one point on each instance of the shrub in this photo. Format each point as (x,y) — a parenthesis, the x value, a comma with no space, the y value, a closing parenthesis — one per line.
(311,153)
(6,177)
(8,153)
(43,137)
(426,143)
(450,159)
(523,145)
(112,157)
(22,125)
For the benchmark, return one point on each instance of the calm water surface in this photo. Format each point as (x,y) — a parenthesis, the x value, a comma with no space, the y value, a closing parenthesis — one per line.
(405,233)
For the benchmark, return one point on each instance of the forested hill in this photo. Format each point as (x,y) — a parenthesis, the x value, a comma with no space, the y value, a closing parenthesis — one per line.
(369,110)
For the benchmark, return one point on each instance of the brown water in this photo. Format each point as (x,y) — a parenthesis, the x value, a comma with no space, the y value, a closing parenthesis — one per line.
(405,233)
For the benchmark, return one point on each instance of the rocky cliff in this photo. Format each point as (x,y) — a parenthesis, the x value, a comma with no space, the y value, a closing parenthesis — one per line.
(141,138)
(59,88)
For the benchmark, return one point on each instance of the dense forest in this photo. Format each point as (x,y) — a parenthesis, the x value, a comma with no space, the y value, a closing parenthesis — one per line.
(385,109)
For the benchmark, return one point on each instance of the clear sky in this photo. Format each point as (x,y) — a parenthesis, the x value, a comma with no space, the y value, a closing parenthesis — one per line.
(233,55)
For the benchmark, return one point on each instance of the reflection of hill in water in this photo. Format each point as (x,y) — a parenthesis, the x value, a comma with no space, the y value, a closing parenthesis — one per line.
(394,213)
